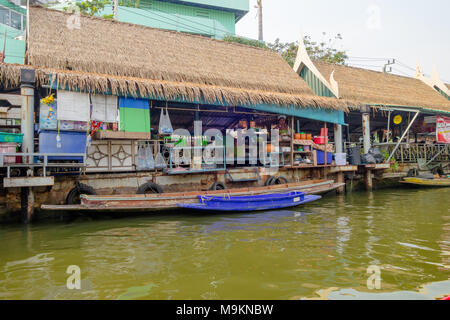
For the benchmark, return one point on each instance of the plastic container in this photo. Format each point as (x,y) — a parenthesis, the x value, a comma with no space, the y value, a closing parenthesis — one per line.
(71,142)
(354,155)
(11,137)
(308,136)
(323,132)
(319,140)
(8,147)
(303,136)
(321,157)
(341,159)
(297,136)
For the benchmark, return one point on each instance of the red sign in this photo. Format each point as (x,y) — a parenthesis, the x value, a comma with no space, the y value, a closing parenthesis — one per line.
(443,129)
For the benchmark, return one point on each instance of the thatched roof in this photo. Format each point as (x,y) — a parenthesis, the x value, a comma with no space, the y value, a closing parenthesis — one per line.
(372,87)
(106,55)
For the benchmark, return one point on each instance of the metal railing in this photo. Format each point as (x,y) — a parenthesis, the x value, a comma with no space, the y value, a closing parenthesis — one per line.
(41,160)
(410,153)
(203,167)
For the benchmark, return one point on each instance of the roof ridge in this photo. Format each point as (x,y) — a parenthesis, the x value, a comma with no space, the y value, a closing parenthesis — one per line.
(186,34)
(364,69)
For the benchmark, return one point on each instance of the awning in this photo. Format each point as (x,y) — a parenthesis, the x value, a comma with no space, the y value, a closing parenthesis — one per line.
(325,115)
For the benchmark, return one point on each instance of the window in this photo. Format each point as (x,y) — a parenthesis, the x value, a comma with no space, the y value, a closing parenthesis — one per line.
(16,20)
(11,18)
(4,16)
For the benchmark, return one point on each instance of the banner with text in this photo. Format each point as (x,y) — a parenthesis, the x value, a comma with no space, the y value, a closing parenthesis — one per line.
(443,129)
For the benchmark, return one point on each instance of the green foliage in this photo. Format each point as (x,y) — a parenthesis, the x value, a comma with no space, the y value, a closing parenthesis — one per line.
(91,7)
(324,50)
(249,42)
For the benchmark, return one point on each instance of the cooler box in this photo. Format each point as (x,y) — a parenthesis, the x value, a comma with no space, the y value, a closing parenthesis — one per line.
(8,147)
(341,159)
(321,157)
(71,142)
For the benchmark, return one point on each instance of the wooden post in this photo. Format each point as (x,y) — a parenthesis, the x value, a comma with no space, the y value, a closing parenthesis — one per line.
(340,179)
(292,141)
(368,179)
(326,143)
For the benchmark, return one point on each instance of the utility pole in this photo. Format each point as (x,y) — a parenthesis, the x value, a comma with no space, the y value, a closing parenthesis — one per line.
(260,20)
(116,9)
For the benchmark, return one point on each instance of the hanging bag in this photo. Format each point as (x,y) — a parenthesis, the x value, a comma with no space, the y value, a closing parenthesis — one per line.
(150,162)
(165,126)
(141,159)
(159,162)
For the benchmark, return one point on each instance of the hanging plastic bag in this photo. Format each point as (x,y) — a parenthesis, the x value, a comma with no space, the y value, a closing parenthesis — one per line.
(159,162)
(165,126)
(150,162)
(141,159)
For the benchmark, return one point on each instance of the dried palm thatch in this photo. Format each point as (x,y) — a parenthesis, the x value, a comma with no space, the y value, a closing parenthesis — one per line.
(128,86)
(372,87)
(110,56)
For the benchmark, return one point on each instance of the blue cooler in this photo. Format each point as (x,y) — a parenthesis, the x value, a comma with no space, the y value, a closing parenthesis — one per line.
(71,142)
(321,157)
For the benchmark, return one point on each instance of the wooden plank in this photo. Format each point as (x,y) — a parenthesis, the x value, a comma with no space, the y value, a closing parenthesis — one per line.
(28,182)
(343,169)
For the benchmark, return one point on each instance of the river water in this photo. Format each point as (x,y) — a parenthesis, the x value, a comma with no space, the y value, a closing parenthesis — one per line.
(322,250)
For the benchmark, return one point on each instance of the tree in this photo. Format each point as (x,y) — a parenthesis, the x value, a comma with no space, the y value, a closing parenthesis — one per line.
(324,50)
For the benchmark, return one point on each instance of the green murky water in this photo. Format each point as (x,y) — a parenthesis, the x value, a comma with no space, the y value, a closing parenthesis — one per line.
(321,250)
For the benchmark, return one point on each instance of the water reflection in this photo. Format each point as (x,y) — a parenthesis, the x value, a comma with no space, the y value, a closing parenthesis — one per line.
(319,250)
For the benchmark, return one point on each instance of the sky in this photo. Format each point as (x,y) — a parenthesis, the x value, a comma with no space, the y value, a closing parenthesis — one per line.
(373,31)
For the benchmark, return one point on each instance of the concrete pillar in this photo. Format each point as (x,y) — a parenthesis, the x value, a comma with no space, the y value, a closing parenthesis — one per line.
(27,121)
(27,81)
(366,131)
(338,138)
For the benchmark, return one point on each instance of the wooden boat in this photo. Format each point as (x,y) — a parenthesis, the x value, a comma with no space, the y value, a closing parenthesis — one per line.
(169,201)
(421,182)
(250,203)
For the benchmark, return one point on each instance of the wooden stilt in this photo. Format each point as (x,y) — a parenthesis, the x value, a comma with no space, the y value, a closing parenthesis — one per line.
(368,179)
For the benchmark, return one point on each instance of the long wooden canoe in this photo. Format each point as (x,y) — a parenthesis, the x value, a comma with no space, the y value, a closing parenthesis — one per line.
(169,201)
(427,182)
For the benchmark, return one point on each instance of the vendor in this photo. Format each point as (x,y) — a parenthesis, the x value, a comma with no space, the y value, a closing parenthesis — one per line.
(284,130)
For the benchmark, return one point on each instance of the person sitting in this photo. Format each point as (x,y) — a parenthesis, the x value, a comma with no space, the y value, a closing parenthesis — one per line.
(284,130)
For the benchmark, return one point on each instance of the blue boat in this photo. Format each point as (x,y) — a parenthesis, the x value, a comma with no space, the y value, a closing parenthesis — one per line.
(250,203)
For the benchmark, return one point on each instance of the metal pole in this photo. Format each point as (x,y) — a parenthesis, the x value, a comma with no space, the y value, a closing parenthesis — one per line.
(116,10)
(403,136)
(260,20)
(388,127)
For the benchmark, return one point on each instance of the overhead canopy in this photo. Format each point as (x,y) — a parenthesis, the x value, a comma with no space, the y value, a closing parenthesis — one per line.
(372,87)
(105,56)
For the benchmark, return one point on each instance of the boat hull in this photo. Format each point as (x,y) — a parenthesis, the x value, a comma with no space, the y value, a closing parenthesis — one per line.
(169,201)
(429,183)
(221,206)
